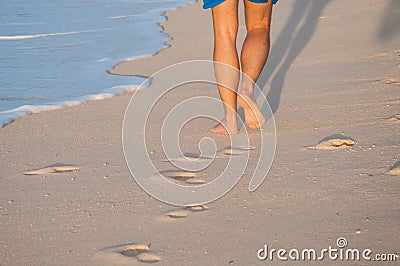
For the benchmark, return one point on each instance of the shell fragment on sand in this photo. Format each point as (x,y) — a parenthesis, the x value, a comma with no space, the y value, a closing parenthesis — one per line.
(136,249)
(53,169)
(148,258)
(334,143)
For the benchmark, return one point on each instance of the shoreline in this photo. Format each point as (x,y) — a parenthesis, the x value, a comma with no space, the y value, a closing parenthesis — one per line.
(26,110)
(146,65)
(112,71)
(323,79)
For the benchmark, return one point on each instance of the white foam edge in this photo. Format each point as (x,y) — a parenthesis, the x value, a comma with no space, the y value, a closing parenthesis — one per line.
(9,116)
(31,36)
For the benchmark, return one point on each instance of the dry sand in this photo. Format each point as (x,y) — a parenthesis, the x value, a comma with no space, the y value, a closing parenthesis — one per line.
(333,73)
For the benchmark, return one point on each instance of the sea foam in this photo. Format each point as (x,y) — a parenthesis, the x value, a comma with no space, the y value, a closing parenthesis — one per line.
(31,36)
(8,116)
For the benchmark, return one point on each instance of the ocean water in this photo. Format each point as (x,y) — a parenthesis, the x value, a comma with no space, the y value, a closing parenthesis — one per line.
(56,52)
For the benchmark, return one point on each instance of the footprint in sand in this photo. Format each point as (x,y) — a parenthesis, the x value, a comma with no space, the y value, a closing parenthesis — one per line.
(184,212)
(178,214)
(333,142)
(392,81)
(197,208)
(195,181)
(190,177)
(187,177)
(127,254)
(148,258)
(394,118)
(237,150)
(52,169)
(245,147)
(133,250)
(188,159)
(179,175)
(395,169)
(227,151)
(141,253)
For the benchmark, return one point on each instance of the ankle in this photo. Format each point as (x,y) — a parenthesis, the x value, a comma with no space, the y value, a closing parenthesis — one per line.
(230,120)
(246,91)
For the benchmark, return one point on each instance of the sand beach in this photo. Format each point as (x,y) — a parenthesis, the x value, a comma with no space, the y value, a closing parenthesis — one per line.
(333,73)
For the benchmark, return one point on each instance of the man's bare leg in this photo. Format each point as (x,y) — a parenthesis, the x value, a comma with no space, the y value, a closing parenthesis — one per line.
(225,20)
(253,58)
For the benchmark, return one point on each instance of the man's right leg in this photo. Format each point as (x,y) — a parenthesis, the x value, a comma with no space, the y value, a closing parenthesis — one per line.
(254,56)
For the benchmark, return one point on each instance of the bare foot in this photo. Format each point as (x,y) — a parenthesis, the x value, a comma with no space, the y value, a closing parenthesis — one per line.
(253,116)
(223,129)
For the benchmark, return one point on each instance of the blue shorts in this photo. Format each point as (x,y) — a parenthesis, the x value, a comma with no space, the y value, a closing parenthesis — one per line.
(212,3)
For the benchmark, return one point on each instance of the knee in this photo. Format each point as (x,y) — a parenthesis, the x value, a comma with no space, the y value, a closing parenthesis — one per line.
(259,29)
(227,34)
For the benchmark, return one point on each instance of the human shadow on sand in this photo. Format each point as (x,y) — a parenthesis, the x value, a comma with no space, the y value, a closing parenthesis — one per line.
(291,41)
(390,23)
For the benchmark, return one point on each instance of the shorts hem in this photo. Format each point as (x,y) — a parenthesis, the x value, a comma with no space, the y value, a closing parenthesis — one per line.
(210,4)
